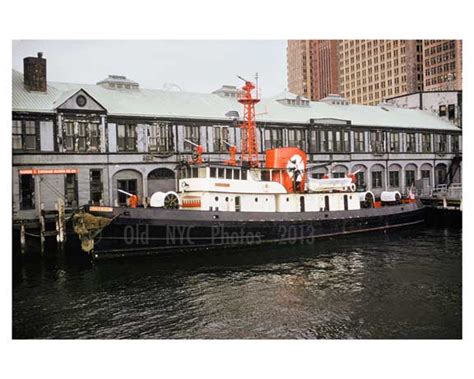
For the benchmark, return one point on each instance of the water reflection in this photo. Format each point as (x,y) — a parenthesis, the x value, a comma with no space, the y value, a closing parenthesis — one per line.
(400,285)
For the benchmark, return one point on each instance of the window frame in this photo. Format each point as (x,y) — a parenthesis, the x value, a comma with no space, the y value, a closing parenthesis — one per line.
(220,139)
(455,147)
(81,136)
(129,139)
(75,188)
(426,143)
(96,186)
(374,178)
(394,142)
(23,129)
(391,178)
(160,138)
(408,176)
(32,188)
(359,144)
(191,133)
(441,142)
(377,145)
(410,139)
(273,138)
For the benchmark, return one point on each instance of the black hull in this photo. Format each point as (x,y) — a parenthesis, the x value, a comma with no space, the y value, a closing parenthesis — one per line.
(149,231)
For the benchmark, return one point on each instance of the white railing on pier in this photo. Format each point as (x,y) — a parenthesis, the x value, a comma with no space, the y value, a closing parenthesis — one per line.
(453,192)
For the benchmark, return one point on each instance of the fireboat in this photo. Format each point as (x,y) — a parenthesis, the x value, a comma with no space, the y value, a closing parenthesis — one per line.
(240,204)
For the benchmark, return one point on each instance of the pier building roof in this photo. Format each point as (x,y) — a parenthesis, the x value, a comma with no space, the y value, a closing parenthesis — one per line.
(189,105)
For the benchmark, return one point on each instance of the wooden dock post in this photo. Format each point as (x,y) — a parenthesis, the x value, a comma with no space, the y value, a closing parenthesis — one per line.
(22,239)
(60,224)
(42,228)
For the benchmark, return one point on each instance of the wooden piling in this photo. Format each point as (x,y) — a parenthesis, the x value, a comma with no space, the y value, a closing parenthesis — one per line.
(60,224)
(22,238)
(42,228)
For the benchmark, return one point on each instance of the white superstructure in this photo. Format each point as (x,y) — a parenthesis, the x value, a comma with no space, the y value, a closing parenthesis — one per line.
(237,189)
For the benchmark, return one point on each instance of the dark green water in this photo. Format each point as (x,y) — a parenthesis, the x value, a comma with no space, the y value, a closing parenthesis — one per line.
(404,284)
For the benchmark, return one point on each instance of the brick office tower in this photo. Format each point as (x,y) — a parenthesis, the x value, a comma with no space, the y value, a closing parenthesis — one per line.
(34,69)
(371,70)
(325,68)
(442,65)
(299,71)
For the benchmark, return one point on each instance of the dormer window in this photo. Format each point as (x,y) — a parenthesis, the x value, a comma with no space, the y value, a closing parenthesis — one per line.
(228,91)
(118,82)
(288,98)
(335,99)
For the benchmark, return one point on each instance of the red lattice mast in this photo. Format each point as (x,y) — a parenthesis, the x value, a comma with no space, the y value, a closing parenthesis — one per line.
(249,134)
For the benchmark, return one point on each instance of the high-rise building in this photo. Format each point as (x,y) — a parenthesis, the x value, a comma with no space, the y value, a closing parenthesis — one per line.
(372,70)
(313,68)
(325,68)
(442,65)
(299,67)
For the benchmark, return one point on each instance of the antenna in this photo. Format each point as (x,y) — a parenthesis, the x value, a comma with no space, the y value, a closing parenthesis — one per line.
(256,84)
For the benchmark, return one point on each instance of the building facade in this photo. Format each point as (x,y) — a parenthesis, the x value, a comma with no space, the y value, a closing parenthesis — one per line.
(82,143)
(299,67)
(325,68)
(445,104)
(370,71)
(312,68)
(373,70)
(442,65)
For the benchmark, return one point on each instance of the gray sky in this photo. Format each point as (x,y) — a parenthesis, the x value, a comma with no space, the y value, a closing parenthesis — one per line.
(197,66)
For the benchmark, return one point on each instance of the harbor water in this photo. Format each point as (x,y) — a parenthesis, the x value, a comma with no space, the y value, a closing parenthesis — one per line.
(401,284)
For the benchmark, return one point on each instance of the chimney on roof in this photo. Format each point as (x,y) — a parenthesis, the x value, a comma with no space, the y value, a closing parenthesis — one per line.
(34,73)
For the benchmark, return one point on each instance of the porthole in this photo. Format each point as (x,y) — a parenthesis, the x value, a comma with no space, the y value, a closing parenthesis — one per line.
(287,199)
(256,199)
(216,198)
(266,199)
(226,199)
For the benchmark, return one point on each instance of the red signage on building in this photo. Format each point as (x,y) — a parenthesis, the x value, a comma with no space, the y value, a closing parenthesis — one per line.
(54,171)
